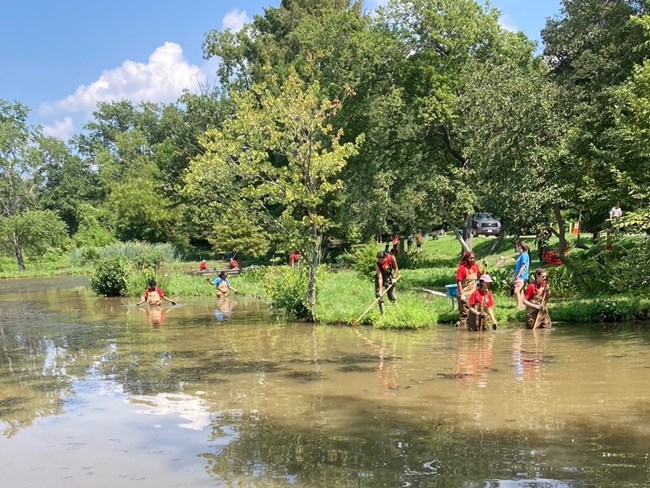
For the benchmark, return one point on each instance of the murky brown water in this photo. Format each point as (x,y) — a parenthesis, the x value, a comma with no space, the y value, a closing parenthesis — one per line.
(96,393)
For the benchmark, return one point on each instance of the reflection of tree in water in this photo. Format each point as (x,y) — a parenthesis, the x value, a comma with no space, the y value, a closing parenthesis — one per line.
(387,449)
(34,380)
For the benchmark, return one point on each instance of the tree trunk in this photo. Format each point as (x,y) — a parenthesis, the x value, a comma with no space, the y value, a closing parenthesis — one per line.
(466,247)
(467,233)
(311,288)
(561,235)
(497,242)
(19,252)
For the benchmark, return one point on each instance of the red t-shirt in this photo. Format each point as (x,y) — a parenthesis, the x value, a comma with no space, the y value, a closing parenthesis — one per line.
(463,269)
(477,299)
(389,262)
(233,264)
(295,257)
(158,290)
(203,265)
(533,289)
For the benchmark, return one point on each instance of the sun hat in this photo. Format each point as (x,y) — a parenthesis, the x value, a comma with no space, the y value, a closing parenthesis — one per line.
(486,278)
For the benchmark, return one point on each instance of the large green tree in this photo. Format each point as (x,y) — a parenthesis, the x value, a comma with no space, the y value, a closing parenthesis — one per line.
(592,48)
(280,159)
(19,171)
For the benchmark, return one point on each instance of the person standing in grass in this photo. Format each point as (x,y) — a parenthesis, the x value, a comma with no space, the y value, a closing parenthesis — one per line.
(466,276)
(536,299)
(481,305)
(521,273)
(419,240)
(386,271)
(295,258)
(154,296)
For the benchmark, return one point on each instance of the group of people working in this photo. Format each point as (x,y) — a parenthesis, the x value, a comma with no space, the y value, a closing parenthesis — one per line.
(475,300)
(153,296)
(232,264)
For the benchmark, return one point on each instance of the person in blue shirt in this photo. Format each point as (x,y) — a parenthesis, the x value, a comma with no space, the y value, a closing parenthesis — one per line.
(522,267)
(222,285)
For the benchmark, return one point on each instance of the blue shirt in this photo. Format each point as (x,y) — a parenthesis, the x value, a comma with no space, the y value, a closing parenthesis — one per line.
(218,280)
(523,261)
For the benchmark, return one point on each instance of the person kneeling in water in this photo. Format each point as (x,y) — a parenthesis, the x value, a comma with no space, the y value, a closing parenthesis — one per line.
(481,303)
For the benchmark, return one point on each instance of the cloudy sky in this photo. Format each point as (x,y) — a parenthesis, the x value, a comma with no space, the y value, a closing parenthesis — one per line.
(61,58)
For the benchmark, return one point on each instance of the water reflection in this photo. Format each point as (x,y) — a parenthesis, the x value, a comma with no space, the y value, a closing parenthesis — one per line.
(261,403)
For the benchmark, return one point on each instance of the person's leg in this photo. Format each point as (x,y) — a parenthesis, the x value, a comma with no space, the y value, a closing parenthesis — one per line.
(392,294)
(519,293)
(531,316)
(463,313)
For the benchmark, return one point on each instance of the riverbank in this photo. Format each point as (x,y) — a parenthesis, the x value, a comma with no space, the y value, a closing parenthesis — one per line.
(345,293)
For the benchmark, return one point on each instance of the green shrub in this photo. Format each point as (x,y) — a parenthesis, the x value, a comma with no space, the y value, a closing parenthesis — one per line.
(287,290)
(109,277)
(365,258)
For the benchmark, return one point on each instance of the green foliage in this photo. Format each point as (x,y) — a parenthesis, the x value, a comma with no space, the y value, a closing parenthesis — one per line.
(620,267)
(95,226)
(602,309)
(140,252)
(35,231)
(109,277)
(365,258)
(287,290)
(238,233)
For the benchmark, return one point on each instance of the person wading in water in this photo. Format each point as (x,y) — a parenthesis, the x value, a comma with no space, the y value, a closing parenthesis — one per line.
(466,276)
(154,296)
(536,299)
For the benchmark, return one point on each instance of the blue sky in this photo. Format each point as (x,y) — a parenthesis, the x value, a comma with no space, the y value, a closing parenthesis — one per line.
(60,58)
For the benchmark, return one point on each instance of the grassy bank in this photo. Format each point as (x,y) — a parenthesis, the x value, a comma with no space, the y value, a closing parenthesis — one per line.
(49,266)
(344,294)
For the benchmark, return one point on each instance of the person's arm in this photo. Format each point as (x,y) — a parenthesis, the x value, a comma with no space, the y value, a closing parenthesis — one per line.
(379,277)
(230,287)
(168,300)
(490,312)
(475,305)
(528,303)
(144,299)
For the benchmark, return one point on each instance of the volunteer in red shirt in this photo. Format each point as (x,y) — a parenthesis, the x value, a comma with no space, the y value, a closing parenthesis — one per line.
(295,258)
(466,276)
(154,296)
(481,306)
(203,266)
(535,299)
(386,272)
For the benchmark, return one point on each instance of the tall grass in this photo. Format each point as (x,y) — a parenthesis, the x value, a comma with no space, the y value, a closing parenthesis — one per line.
(131,251)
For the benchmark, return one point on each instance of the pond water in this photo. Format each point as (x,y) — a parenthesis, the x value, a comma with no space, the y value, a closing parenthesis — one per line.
(95,392)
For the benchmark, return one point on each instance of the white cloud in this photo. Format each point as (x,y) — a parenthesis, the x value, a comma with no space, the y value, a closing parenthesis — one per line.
(162,79)
(235,20)
(508,23)
(63,129)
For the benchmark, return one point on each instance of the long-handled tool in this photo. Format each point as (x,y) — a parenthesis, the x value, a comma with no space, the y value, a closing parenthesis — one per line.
(435,292)
(381,295)
(541,311)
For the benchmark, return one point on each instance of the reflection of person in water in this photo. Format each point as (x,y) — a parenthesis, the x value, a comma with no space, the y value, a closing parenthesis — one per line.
(223,310)
(474,359)
(528,358)
(156,315)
